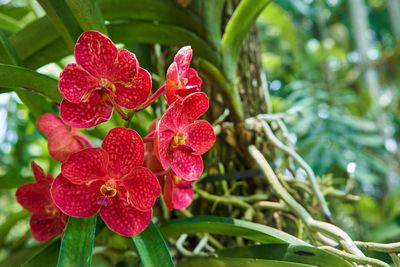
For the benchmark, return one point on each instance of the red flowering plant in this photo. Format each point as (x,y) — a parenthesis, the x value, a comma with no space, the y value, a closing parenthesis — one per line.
(109,180)
(47,221)
(102,77)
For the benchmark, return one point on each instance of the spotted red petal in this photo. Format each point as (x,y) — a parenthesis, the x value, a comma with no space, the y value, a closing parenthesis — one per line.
(96,53)
(132,95)
(193,106)
(125,68)
(76,200)
(86,165)
(123,218)
(185,165)
(168,191)
(62,143)
(49,122)
(125,149)
(183,194)
(200,136)
(40,176)
(162,141)
(75,83)
(183,57)
(34,197)
(86,114)
(143,188)
(44,228)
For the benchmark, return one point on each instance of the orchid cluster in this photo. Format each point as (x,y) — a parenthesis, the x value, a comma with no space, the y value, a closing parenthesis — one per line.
(122,179)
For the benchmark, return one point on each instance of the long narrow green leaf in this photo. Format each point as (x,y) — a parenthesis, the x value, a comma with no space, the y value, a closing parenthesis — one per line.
(9,23)
(212,19)
(164,12)
(53,52)
(47,257)
(29,80)
(152,249)
(88,14)
(13,180)
(238,262)
(236,31)
(227,226)
(146,32)
(63,19)
(77,243)
(26,41)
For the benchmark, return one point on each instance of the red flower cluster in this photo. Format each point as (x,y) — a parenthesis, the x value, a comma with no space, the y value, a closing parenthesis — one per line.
(119,179)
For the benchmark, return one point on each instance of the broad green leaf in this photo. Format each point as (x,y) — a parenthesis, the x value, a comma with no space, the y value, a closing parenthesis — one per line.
(88,14)
(51,53)
(9,23)
(29,80)
(26,41)
(63,19)
(238,262)
(212,19)
(227,226)
(77,243)
(47,257)
(236,30)
(286,252)
(164,12)
(151,247)
(10,222)
(150,33)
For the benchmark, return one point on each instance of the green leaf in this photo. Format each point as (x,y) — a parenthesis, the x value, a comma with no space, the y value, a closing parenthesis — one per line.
(151,247)
(29,80)
(10,222)
(10,24)
(212,19)
(227,226)
(88,14)
(51,53)
(63,19)
(286,252)
(47,257)
(164,12)
(151,33)
(238,262)
(77,243)
(236,30)
(13,180)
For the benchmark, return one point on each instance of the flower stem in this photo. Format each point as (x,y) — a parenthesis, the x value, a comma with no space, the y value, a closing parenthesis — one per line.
(152,98)
(84,139)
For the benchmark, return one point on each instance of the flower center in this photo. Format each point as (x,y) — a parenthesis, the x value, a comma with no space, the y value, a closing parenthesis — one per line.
(178,140)
(177,179)
(51,211)
(107,85)
(108,190)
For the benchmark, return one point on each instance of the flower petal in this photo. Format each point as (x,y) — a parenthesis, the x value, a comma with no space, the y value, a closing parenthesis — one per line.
(34,197)
(162,141)
(40,176)
(186,165)
(142,187)
(49,122)
(61,144)
(96,53)
(44,228)
(125,149)
(125,68)
(75,83)
(193,106)
(123,218)
(133,94)
(200,136)
(86,166)
(182,194)
(76,200)
(86,114)
(168,190)
(183,57)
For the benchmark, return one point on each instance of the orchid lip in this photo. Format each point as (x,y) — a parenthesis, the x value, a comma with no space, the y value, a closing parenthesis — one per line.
(185,148)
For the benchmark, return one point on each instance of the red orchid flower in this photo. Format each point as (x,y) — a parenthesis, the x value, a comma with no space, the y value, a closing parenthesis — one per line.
(180,139)
(47,221)
(150,158)
(111,180)
(102,77)
(177,192)
(62,140)
(181,80)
